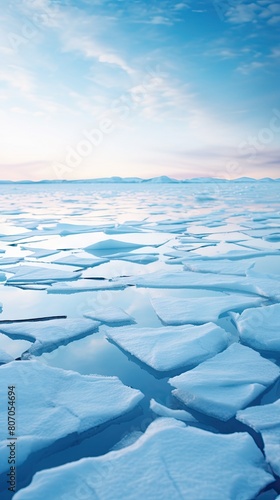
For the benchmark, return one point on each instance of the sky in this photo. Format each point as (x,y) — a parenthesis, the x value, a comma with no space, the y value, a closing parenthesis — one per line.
(100,88)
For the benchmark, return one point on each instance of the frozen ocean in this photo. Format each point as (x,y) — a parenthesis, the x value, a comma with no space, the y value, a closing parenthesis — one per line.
(140,340)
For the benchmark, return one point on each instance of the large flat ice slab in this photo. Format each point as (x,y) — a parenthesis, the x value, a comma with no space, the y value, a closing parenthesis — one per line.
(266,420)
(82,262)
(226,383)
(8,261)
(85,285)
(260,327)
(169,348)
(52,403)
(48,335)
(137,258)
(35,274)
(221,282)
(112,245)
(5,357)
(164,411)
(223,266)
(199,310)
(170,460)
(110,315)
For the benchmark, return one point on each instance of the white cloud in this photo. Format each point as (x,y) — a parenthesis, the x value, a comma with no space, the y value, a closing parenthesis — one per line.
(248,68)
(18,78)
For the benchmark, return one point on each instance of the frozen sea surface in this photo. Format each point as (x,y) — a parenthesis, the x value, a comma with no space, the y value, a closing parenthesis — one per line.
(79,261)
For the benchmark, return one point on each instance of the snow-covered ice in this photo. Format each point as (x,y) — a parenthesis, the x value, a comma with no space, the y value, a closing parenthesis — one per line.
(266,420)
(61,403)
(223,266)
(169,348)
(260,327)
(82,262)
(199,310)
(164,411)
(170,460)
(48,335)
(35,274)
(85,285)
(110,315)
(188,279)
(226,383)
(138,258)
(8,261)
(5,357)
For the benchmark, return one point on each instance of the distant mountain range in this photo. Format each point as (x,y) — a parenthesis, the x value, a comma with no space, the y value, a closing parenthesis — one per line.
(154,180)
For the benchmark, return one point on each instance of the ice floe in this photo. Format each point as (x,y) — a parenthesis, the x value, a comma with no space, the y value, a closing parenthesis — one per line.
(266,420)
(110,315)
(224,266)
(170,460)
(50,334)
(40,252)
(169,348)
(81,262)
(188,279)
(198,310)
(226,383)
(34,274)
(7,261)
(137,258)
(164,411)
(61,403)
(110,245)
(260,327)
(5,357)
(85,285)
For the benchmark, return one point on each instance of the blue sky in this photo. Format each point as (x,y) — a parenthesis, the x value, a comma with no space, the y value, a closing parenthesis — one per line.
(95,88)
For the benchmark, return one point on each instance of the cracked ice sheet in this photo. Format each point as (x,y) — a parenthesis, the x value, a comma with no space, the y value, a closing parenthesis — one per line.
(48,335)
(110,315)
(137,258)
(164,411)
(266,420)
(188,279)
(224,266)
(80,261)
(54,403)
(167,461)
(218,229)
(99,242)
(224,250)
(34,274)
(85,285)
(39,252)
(226,383)
(259,328)
(169,348)
(5,357)
(7,261)
(199,310)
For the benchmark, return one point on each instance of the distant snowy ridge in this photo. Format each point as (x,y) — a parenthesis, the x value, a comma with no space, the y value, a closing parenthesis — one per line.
(137,180)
